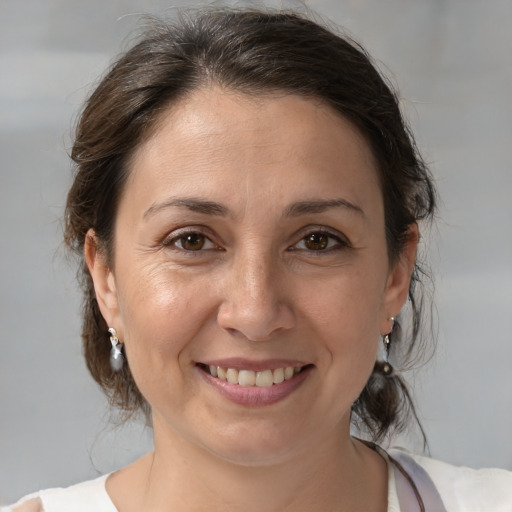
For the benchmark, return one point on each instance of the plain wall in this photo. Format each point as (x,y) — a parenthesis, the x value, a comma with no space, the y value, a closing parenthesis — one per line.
(451,61)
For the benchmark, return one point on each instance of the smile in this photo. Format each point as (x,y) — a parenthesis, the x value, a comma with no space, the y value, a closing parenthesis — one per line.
(257,386)
(249,378)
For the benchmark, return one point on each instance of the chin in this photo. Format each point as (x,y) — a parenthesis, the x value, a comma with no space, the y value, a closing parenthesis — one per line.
(255,445)
(255,455)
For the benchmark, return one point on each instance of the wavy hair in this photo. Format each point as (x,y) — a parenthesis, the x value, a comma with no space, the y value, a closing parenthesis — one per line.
(256,53)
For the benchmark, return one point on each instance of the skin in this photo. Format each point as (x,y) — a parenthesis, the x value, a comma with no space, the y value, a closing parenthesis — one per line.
(255,290)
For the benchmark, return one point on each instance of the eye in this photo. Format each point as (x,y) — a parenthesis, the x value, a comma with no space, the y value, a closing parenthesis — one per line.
(191,241)
(319,241)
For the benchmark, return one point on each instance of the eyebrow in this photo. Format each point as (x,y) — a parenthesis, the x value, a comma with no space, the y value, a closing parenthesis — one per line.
(212,208)
(320,206)
(191,203)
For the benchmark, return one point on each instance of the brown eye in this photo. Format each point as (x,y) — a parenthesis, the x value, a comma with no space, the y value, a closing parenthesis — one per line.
(316,241)
(191,241)
(322,242)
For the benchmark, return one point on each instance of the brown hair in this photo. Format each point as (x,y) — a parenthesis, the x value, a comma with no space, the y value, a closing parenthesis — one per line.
(256,53)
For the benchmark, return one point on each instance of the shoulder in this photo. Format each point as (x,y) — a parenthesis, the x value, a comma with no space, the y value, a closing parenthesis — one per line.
(466,489)
(26,505)
(89,496)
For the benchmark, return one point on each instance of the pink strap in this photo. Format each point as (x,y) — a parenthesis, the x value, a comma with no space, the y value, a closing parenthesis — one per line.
(415,489)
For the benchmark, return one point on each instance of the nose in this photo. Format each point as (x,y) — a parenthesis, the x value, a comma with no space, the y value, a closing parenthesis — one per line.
(256,303)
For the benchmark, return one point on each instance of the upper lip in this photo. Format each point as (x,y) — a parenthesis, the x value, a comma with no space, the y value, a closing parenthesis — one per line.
(239,363)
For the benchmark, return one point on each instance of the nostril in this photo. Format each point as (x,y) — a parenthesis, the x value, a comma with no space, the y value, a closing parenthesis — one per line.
(258,323)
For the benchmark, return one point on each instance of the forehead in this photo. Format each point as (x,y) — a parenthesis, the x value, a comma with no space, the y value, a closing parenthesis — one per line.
(286,143)
(210,117)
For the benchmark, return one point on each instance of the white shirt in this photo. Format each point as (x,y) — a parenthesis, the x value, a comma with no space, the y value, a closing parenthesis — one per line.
(461,489)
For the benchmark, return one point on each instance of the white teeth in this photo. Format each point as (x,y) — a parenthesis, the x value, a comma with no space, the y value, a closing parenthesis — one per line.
(264,379)
(288,372)
(247,378)
(278,375)
(232,376)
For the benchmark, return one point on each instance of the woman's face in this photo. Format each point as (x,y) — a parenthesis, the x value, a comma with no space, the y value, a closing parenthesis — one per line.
(250,242)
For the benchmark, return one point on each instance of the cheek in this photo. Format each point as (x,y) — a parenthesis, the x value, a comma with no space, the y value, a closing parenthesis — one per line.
(161,314)
(349,304)
(346,316)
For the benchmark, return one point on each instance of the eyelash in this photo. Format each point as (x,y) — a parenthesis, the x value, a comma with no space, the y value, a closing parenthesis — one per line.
(172,242)
(339,243)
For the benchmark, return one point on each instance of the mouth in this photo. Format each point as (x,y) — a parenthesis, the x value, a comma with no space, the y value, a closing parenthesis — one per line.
(255,384)
(264,378)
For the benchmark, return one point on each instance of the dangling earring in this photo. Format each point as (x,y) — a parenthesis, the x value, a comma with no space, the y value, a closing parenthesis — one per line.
(387,368)
(116,356)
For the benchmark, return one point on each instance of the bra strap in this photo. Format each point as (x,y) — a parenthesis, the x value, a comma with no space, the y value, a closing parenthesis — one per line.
(415,489)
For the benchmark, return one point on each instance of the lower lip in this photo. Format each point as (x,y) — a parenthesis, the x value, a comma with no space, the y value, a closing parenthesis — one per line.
(255,396)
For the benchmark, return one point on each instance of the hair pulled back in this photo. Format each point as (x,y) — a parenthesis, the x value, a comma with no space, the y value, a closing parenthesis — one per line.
(255,53)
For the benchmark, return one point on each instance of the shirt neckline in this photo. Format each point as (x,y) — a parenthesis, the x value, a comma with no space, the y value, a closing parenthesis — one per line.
(393,504)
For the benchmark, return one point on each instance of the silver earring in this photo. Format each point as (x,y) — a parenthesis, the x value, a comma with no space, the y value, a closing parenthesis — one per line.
(387,368)
(116,355)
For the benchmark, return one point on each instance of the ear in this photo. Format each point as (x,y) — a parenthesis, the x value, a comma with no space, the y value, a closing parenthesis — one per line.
(399,279)
(103,279)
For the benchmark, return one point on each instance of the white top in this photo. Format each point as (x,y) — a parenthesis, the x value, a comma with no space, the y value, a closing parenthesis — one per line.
(461,489)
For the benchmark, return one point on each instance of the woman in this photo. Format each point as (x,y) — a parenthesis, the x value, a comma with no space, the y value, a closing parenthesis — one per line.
(247,207)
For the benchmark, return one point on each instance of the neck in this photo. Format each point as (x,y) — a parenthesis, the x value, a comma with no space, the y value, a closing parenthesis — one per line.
(340,474)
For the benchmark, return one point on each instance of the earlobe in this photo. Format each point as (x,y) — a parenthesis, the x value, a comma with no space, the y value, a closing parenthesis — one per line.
(399,279)
(103,278)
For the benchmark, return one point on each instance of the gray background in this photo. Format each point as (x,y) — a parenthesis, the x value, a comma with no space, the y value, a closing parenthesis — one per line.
(452,61)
